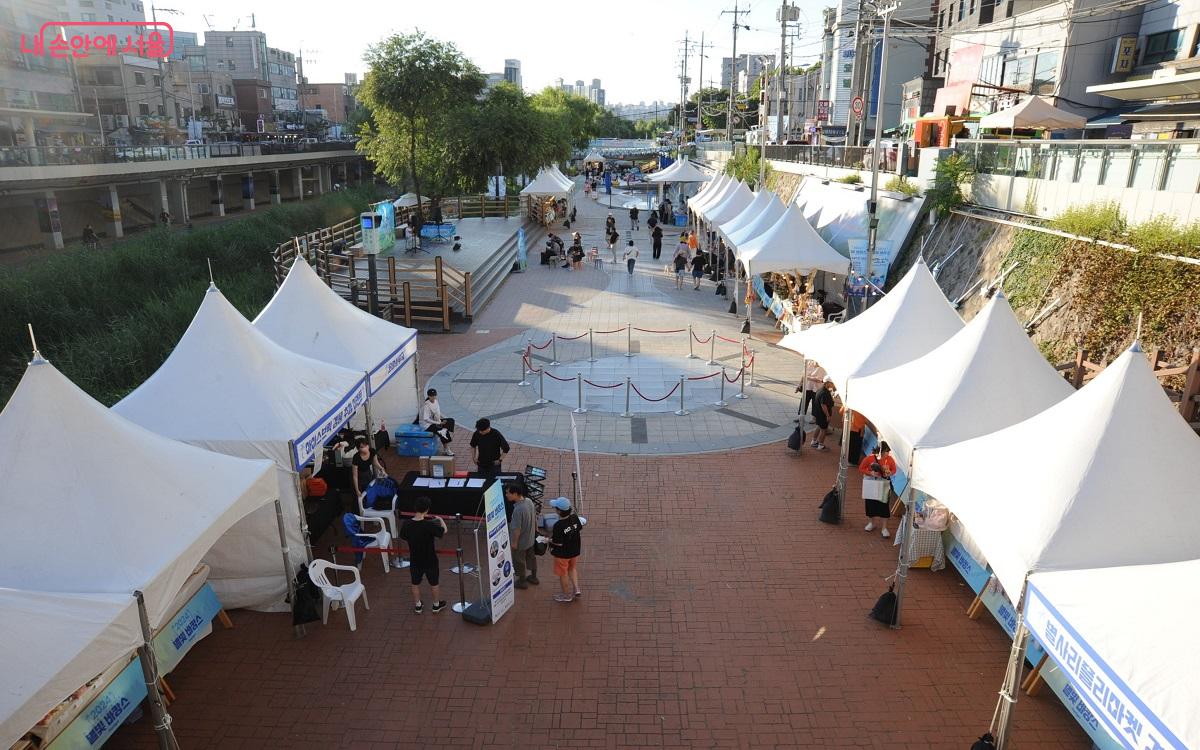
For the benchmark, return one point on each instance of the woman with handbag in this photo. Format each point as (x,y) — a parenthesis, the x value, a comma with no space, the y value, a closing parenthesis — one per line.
(879,465)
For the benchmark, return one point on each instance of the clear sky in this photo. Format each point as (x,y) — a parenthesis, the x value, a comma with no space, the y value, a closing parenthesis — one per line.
(632,46)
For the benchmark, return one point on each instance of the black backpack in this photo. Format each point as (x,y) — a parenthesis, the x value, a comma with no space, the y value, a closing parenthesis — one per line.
(885,607)
(829,508)
(796,439)
(307,607)
(986,742)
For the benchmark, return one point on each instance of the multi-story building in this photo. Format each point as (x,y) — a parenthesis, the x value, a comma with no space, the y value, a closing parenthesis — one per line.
(110,11)
(512,72)
(183,41)
(253,97)
(332,100)
(213,100)
(595,92)
(749,66)
(246,57)
(491,80)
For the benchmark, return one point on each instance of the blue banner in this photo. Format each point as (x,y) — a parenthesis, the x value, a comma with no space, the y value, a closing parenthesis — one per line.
(107,712)
(185,629)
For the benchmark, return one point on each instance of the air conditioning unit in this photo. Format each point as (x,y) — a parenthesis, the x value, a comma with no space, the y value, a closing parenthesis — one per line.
(122,121)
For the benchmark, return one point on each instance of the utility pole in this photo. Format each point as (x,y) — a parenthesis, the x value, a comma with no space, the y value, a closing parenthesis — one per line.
(733,71)
(873,205)
(162,78)
(700,99)
(683,86)
(858,82)
(785,12)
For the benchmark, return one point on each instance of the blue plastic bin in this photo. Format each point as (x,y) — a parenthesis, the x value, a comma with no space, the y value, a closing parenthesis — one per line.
(681,220)
(411,440)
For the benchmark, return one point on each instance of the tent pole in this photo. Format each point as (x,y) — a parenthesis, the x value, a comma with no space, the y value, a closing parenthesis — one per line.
(1002,719)
(154,699)
(844,453)
(283,547)
(367,411)
(300,504)
(904,533)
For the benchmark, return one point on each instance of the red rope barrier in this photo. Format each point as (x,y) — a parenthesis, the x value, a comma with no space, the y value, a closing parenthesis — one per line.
(731,341)
(704,377)
(734,380)
(651,330)
(552,376)
(700,340)
(530,368)
(543,346)
(597,385)
(571,338)
(652,400)
(615,330)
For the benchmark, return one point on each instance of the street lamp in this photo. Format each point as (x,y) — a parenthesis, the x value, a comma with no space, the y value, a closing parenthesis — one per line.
(162,79)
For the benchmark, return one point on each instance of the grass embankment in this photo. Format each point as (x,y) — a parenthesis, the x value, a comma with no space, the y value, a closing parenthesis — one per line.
(1108,287)
(109,318)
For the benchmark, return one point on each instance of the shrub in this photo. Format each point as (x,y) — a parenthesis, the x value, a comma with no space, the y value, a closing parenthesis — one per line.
(850,179)
(899,184)
(953,173)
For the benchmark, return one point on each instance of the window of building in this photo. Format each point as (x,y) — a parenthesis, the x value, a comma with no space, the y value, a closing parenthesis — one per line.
(950,17)
(86,4)
(157,80)
(203,88)
(228,41)
(110,18)
(105,76)
(972,9)
(991,70)
(1018,73)
(88,16)
(942,20)
(143,108)
(162,111)
(962,6)
(1162,47)
(1045,73)
(845,83)
(139,78)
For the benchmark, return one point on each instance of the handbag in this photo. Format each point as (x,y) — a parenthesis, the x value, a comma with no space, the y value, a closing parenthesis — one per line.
(539,548)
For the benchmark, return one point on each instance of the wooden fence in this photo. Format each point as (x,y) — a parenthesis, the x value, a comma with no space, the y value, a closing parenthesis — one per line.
(1187,397)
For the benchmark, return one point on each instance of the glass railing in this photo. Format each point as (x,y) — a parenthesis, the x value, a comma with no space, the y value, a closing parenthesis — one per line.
(1166,165)
(845,157)
(41,156)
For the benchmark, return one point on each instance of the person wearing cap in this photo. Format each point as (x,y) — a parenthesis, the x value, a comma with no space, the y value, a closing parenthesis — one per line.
(521,535)
(823,414)
(881,465)
(431,420)
(565,547)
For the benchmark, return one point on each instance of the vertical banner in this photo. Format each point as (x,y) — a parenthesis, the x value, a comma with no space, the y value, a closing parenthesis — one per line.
(500,567)
(578,471)
(522,250)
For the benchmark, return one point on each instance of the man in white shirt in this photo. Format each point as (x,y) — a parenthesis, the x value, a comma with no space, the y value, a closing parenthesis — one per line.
(631,254)
(432,421)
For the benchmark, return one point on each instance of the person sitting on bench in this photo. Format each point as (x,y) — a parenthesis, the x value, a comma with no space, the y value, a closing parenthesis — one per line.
(432,421)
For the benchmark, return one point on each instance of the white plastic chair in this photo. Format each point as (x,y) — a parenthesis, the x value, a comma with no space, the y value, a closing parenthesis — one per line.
(380,539)
(346,594)
(389,516)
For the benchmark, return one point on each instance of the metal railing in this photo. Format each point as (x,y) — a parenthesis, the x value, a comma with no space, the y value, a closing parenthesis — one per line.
(1172,166)
(28,156)
(844,157)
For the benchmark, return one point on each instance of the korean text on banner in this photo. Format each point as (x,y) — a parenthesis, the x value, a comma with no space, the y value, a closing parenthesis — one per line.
(500,567)
(107,712)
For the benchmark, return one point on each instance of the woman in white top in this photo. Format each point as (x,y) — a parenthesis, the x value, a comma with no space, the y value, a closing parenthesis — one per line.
(631,254)
(432,421)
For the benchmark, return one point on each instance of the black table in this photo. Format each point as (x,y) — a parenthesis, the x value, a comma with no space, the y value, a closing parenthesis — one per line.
(446,501)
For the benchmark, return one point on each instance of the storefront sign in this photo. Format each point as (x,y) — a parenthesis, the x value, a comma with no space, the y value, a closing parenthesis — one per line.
(225,101)
(822,110)
(305,446)
(500,567)
(1124,54)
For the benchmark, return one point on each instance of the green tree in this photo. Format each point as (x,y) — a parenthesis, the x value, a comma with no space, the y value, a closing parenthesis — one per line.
(744,166)
(953,173)
(574,117)
(505,133)
(714,106)
(414,89)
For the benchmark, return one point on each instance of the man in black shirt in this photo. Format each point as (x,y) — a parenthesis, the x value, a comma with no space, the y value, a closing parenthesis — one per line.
(419,532)
(823,415)
(565,547)
(488,448)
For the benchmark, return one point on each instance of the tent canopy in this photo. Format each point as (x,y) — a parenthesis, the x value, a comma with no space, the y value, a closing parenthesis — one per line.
(1136,626)
(680,171)
(557,174)
(594,155)
(987,376)
(307,317)
(712,197)
(730,206)
(1104,477)
(752,211)
(909,321)
(151,507)
(408,200)
(1034,112)
(764,220)
(545,184)
(791,243)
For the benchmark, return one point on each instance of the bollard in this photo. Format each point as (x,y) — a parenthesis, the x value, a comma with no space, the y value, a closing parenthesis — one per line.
(753,382)
(742,386)
(681,412)
(691,354)
(591,347)
(554,349)
(461,604)
(541,399)
(743,352)
(722,402)
(626,413)
(629,339)
(712,347)
(579,382)
(523,382)
(462,568)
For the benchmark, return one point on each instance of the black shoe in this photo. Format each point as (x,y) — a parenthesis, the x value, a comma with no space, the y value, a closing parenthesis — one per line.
(521,585)
(418,608)
(532,579)
(438,607)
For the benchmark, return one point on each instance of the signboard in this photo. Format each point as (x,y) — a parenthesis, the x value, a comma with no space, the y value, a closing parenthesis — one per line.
(107,712)
(885,250)
(856,106)
(387,227)
(393,364)
(186,628)
(225,101)
(822,110)
(965,64)
(497,188)
(260,125)
(500,567)
(305,446)
(522,250)
(1124,54)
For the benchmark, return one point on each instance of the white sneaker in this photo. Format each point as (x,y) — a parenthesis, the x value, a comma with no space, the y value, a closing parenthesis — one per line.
(870,526)
(884,533)
(449,452)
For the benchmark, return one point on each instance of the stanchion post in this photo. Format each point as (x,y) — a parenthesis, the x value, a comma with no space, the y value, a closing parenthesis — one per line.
(681,412)
(722,401)
(691,354)
(554,349)
(591,347)
(579,384)
(712,347)
(742,385)
(462,568)
(541,399)
(461,604)
(629,339)
(753,382)
(524,371)
(626,413)
(743,352)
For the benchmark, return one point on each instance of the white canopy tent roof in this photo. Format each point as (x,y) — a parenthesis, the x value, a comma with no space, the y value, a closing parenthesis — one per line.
(791,243)
(712,197)
(557,174)
(909,321)
(594,155)
(747,215)
(1136,627)
(307,317)
(710,188)
(1105,477)
(766,218)
(987,376)
(545,184)
(730,206)
(1034,112)
(408,200)
(229,388)
(681,170)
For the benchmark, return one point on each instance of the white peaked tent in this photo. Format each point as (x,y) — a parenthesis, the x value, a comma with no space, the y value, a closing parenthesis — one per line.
(229,388)
(792,243)
(546,184)
(308,318)
(129,511)
(712,197)
(557,174)
(1135,627)
(754,209)
(1034,112)
(765,219)
(709,189)
(681,170)
(594,155)
(730,206)
(909,321)
(408,200)
(1105,477)
(987,376)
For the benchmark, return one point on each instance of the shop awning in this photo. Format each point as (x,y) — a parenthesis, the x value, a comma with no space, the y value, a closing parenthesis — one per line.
(1149,89)
(1111,117)
(1172,112)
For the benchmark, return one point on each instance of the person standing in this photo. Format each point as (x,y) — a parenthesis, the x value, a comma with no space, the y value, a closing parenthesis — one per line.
(699,263)
(565,545)
(680,261)
(652,220)
(366,466)
(814,379)
(656,235)
(693,241)
(419,532)
(880,465)
(631,255)
(823,414)
(521,535)
(488,448)
(431,420)
(633,218)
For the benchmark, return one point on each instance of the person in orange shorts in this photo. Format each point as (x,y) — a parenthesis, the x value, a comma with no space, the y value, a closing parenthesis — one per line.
(565,547)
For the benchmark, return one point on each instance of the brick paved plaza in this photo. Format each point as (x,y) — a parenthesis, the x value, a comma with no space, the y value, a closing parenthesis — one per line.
(717,611)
